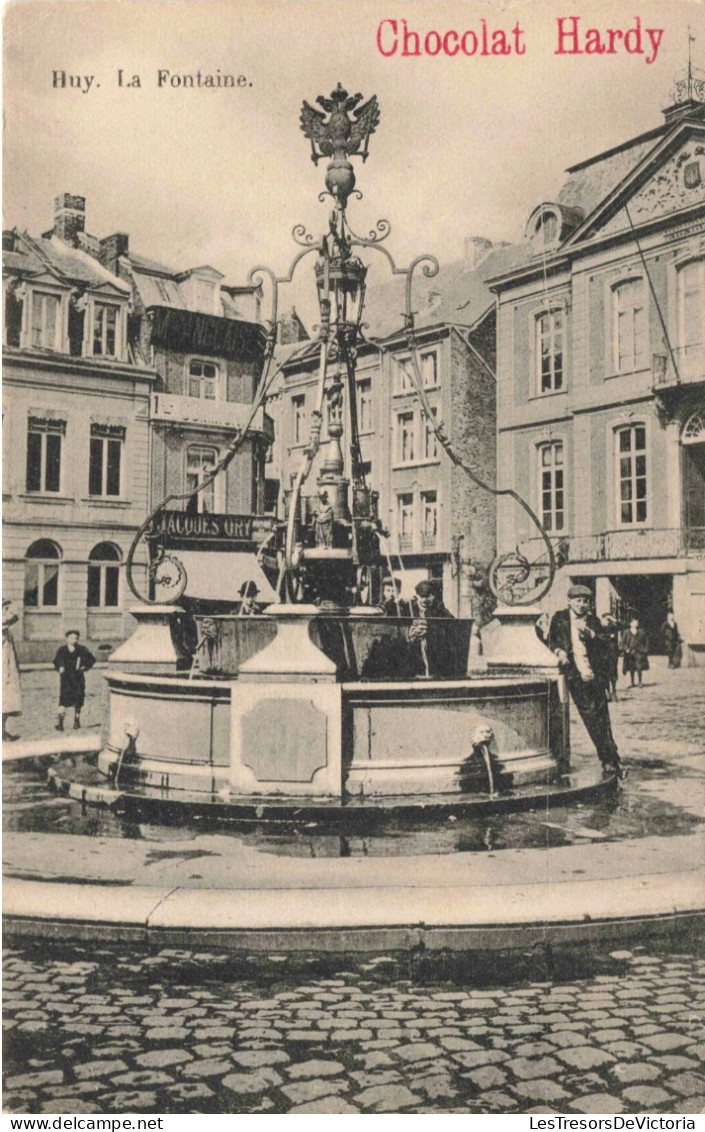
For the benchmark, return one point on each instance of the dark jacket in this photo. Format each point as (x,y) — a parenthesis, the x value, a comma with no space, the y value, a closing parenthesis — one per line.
(391,610)
(596,644)
(671,636)
(72,688)
(635,647)
(439,650)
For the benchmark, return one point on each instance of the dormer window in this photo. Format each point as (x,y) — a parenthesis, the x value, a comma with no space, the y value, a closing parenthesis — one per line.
(550,224)
(103,327)
(204,295)
(547,228)
(544,228)
(105,320)
(46,317)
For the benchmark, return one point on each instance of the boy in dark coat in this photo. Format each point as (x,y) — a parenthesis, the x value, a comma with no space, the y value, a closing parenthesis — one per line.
(578,640)
(72,661)
(428,640)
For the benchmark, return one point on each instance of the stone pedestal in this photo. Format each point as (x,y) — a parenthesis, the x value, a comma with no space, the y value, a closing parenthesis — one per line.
(155,645)
(514,643)
(286,716)
(514,648)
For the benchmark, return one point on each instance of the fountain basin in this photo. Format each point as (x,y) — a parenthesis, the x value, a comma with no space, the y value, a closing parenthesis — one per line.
(221,736)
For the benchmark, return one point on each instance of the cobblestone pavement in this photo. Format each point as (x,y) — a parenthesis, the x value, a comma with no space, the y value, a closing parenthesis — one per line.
(40,698)
(107,1030)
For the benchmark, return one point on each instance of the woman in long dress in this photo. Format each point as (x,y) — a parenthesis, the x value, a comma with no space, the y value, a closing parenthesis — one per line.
(11,692)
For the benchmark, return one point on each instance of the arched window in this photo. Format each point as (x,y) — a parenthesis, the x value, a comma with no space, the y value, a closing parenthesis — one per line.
(104,576)
(694,431)
(41,575)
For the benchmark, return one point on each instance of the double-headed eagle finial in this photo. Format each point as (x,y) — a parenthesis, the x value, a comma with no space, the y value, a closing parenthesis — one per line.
(339,136)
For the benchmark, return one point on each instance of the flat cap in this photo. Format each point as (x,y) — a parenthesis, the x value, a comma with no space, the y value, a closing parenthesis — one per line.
(425,589)
(579,591)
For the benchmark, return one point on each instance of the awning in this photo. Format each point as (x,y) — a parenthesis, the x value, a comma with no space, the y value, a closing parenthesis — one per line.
(219,576)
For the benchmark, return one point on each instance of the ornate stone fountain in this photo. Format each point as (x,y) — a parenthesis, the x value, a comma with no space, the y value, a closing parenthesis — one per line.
(324,702)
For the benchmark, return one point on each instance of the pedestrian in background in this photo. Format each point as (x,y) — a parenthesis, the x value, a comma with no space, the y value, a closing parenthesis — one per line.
(672,641)
(11,691)
(393,603)
(610,629)
(635,647)
(72,661)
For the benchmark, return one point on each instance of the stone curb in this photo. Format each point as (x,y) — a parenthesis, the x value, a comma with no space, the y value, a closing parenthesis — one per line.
(402,918)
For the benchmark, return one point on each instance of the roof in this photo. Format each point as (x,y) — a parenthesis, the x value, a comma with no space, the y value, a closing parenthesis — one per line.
(455,296)
(141,263)
(36,256)
(590,182)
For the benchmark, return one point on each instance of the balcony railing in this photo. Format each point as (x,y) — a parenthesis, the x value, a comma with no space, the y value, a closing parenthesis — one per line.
(202,413)
(622,545)
(689,367)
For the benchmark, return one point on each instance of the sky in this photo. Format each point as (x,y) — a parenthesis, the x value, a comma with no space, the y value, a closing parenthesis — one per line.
(466,145)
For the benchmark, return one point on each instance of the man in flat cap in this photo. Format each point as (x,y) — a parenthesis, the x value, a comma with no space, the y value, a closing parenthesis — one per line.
(429,646)
(578,639)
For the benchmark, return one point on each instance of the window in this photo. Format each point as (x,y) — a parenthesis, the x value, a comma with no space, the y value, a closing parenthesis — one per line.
(406,438)
(405,521)
(402,380)
(429,369)
(41,575)
(105,459)
(105,321)
(631,475)
(691,314)
(44,437)
(364,406)
(631,329)
(549,351)
(103,576)
(203,380)
(200,462)
(46,316)
(430,440)
(551,486)
(547,228)
(299,409)
(162,289)
(429,518)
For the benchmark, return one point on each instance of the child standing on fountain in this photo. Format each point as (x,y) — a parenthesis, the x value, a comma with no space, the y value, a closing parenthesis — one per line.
(72,661)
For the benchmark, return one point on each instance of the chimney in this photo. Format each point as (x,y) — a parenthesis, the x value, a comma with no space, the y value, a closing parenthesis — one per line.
(69,217)
(111,248)
(476,248)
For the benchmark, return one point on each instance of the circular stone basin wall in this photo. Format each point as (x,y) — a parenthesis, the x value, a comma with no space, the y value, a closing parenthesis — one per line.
(392,738)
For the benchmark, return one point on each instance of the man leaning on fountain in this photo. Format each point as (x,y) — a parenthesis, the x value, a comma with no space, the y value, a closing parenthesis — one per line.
(577,638)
